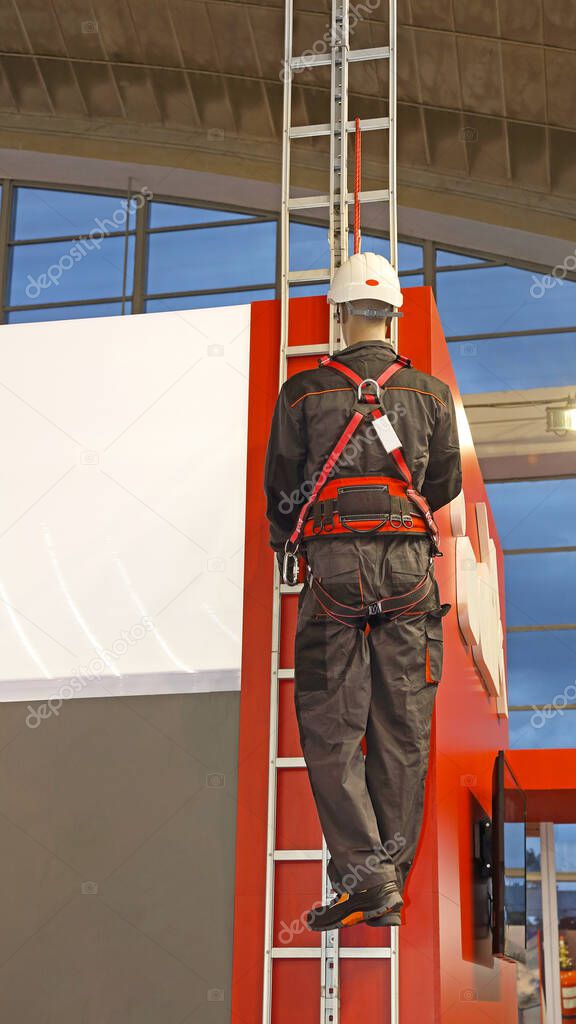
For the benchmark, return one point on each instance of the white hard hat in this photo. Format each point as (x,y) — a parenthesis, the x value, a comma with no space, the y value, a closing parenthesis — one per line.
(366,275)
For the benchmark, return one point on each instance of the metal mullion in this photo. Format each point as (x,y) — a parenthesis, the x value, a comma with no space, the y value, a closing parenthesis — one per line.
(209,291)
(481,265)
(14,242)
(528,479)
(64,305)
(537,551)
(540,707)
(551,627)
(127,234)
(430,265)
(550,922)
(49,186)
(5,224)
(495,335)
(140,258)
(211,224)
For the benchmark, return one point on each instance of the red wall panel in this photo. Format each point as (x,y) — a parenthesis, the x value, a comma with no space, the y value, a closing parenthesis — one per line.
(440,979)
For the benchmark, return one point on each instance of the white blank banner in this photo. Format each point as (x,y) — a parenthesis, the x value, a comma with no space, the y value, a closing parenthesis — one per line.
(123,469)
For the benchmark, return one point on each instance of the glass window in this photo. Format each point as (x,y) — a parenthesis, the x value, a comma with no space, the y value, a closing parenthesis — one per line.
(173,215)
(507,364)
(308,247)
(541,667)
(194,260)
(48,213)
(208,301)
(565,847)
(410,257)
(65,271)
(540,589)
(445,258)
(526,732)
(411,280)
(501,299)
(26,316)
(534,513)
(298,290)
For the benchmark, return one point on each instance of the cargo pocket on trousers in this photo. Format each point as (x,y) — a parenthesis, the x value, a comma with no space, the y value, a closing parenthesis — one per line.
(434,628)
(310,646)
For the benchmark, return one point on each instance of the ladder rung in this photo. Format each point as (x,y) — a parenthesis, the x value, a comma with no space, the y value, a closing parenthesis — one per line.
(305,350)
(290,762)
(316,60)
(375,195)
(319,202)
(367,124)
(372,53)
(365,952)
(298,855)
(322,274)
(284,588)
(285,673)
(345,952)
(295,952)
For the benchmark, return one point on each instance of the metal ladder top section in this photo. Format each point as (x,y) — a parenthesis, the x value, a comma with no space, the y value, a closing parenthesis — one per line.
(337,202)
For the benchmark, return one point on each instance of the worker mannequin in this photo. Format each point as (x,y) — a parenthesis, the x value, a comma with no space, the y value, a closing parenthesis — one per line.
(369,637)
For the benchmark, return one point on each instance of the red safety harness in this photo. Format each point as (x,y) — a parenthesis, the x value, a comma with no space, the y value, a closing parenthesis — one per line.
(409,510)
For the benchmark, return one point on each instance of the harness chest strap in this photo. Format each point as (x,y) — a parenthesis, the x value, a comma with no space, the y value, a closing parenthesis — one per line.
(344,438)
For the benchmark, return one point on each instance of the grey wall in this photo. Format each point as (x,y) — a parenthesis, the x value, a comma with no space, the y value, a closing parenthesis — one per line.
(117,824)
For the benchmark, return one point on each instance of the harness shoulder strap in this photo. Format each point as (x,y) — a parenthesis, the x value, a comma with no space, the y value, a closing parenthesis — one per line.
(344,438)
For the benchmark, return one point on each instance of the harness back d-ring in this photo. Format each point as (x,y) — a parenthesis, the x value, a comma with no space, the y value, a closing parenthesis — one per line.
(368,380)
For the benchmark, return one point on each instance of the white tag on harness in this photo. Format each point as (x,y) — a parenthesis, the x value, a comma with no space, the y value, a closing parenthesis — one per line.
(386,433)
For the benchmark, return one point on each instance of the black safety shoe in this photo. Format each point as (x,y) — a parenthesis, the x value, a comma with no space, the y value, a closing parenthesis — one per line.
(385,921)
(355,908)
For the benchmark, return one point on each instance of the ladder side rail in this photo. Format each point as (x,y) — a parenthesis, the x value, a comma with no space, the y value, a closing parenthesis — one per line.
(276,597)
(392,152)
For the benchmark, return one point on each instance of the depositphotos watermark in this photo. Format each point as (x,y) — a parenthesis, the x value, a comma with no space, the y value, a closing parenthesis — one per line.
(347,457)
(358,12)
(94,671)
(354,875)
(560,701)
(544,284)
(81,247)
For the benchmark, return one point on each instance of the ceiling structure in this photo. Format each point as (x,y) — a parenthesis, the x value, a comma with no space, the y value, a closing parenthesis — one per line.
(487,94)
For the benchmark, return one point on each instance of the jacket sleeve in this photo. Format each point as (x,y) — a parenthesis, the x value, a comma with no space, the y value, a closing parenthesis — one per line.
(284,469)
(443,480)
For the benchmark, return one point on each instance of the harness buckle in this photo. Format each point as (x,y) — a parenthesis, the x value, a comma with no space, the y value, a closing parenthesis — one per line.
(396,520)
(290,567)
(373,609)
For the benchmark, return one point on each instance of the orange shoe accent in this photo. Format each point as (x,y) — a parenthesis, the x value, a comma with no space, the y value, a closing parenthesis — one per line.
(356,918)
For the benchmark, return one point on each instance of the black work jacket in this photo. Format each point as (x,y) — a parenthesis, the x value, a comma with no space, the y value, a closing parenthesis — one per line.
(313,408)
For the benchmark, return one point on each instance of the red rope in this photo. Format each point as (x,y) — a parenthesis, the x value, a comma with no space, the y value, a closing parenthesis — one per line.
(357,186)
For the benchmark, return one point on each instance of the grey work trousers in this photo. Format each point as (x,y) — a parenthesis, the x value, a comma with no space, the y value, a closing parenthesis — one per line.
(380,683)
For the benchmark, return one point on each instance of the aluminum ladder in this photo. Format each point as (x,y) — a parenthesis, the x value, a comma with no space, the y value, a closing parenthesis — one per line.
(337,202)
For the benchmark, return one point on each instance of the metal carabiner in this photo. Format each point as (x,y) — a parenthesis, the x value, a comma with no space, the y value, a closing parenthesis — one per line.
(290,567)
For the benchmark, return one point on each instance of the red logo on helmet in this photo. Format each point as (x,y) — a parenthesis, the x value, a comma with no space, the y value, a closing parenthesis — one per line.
(371,281)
